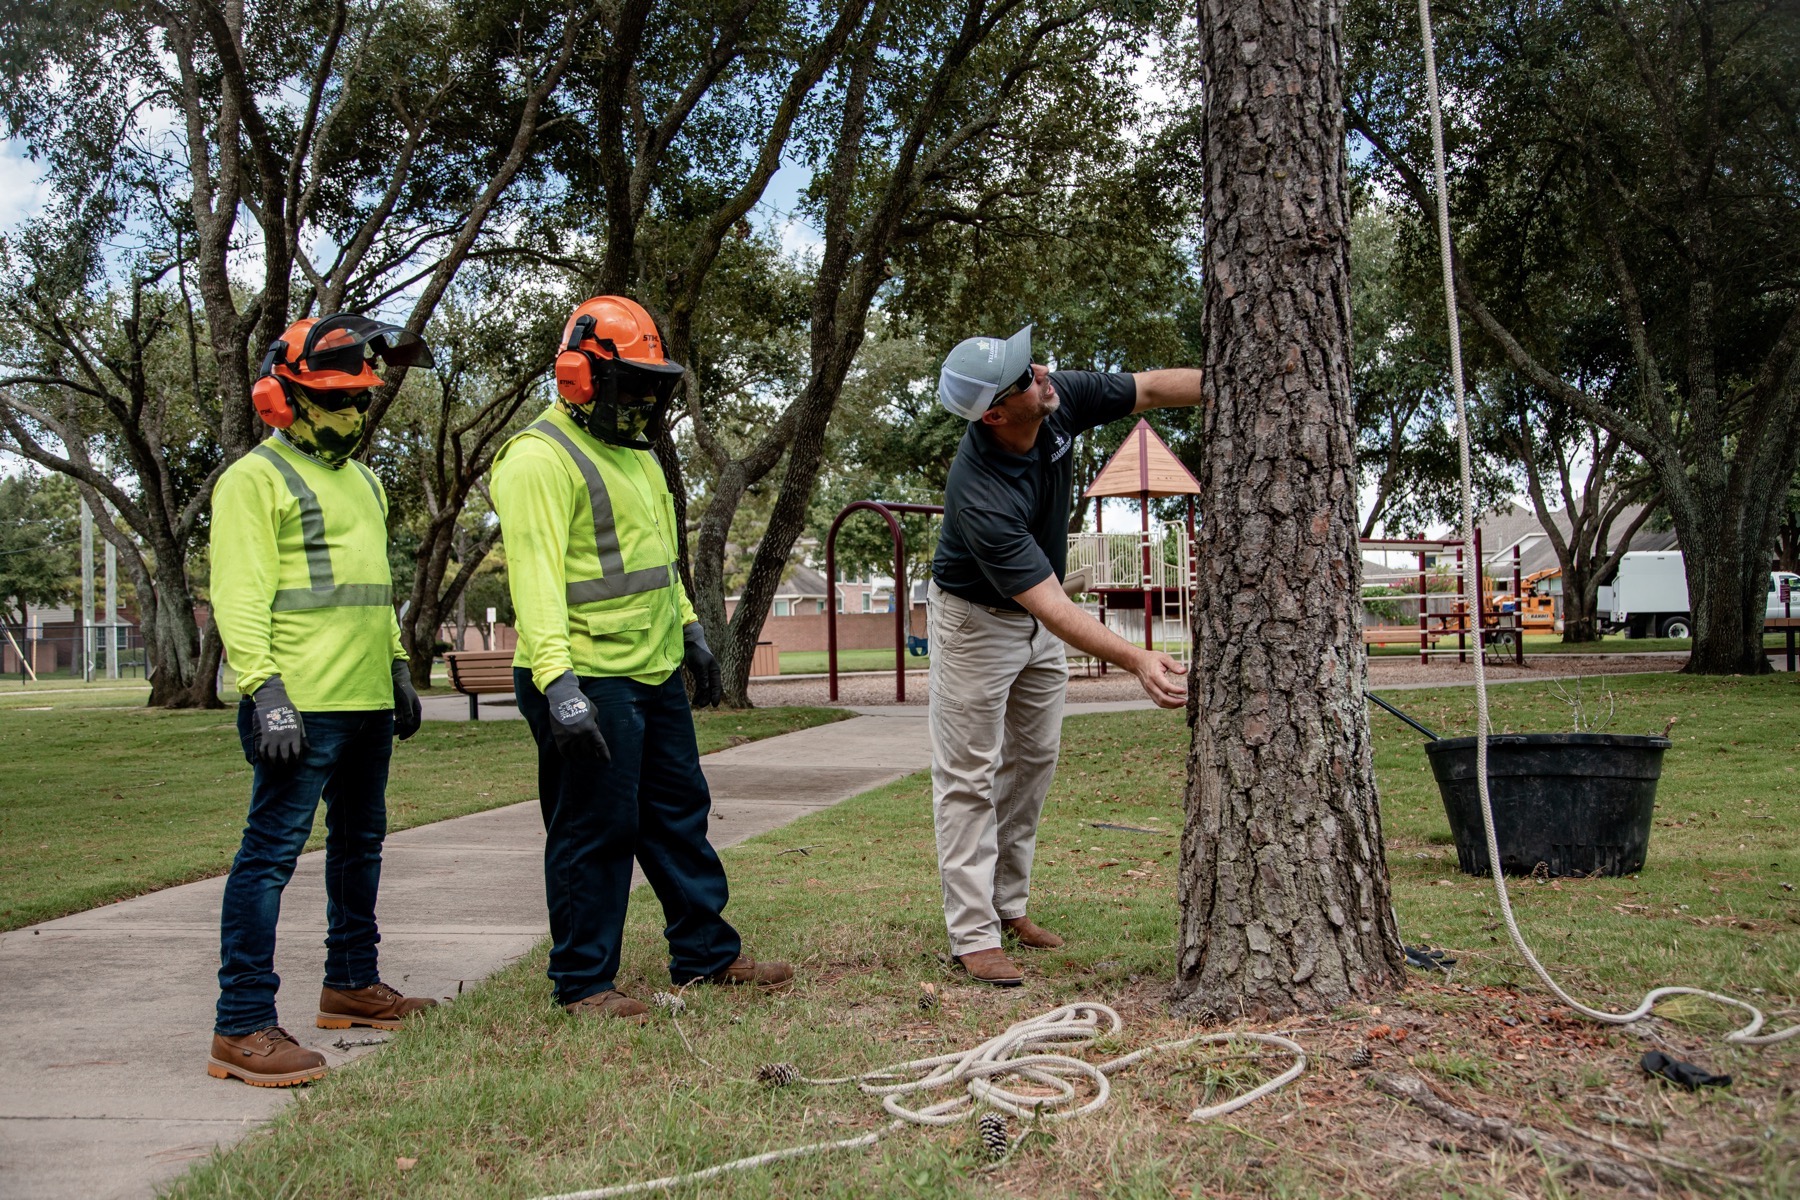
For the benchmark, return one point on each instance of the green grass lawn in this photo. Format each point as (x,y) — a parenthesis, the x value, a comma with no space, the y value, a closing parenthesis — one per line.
(500,1095)
(812,662)
(105,799)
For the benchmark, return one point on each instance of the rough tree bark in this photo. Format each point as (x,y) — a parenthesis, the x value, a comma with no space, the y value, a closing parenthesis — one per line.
(1284,888)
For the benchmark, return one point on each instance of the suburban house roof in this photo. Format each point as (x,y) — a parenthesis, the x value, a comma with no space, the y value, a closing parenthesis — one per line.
(1519,526)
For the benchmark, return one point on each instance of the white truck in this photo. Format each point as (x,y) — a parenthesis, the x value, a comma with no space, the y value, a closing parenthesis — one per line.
(1648,596)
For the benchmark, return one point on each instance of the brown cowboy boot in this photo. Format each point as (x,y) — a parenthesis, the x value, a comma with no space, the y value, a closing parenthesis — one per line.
(1030,933)
(267,1058)
(992,966)
(747,970)
(378,1006)
(611,1004)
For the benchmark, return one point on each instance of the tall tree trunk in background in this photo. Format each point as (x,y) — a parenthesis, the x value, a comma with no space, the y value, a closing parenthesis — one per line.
(1284,888)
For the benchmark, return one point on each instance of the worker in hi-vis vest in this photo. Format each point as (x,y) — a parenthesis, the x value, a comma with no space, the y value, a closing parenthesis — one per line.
(304,604)
(604,624)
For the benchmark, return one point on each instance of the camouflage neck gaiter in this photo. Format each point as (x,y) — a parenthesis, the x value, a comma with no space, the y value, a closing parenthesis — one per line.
(328,435)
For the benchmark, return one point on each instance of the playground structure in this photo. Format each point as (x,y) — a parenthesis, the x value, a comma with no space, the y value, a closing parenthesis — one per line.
(1423,601)
(1147,578)
(902,593)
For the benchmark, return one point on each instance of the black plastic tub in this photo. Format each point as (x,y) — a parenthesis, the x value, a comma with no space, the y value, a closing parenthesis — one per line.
(1578,803)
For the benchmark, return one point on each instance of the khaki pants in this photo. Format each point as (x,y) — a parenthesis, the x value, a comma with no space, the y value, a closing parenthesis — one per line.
(997,684)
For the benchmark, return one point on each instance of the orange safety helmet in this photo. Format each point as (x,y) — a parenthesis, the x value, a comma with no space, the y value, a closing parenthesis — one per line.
(613,372)
(330,354)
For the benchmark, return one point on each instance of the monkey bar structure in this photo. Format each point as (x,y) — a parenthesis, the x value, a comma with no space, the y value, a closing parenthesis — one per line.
(902,593)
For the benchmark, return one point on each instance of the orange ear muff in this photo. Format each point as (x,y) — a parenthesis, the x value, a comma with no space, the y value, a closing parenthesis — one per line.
(271,400)
(575,377)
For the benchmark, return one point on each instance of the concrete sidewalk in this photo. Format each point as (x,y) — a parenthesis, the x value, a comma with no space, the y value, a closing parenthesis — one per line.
(105,1016)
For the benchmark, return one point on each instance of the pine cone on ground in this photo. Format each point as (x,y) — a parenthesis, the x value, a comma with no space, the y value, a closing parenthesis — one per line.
(1361,1057)
(777,1074)
(992,1128)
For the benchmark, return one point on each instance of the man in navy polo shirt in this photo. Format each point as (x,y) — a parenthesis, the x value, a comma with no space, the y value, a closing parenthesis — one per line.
(998,619)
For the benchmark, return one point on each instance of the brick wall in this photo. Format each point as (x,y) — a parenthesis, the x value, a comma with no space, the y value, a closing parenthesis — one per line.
(856,631)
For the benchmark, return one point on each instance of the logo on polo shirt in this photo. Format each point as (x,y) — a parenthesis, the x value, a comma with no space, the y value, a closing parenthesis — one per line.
(1062,447)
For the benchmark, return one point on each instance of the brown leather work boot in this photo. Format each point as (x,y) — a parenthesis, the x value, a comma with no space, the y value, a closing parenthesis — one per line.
(378,1006)
(1030,933)
(747,970)
(992,966)
(612,1004)
(267,1058)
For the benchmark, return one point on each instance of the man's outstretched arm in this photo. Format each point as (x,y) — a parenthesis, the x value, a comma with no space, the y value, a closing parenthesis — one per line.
(1175,387)
(1160,675)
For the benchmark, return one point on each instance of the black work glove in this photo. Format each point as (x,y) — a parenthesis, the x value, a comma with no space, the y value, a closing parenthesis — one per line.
(280,737)
(709,689)
(572,722)
(408,712)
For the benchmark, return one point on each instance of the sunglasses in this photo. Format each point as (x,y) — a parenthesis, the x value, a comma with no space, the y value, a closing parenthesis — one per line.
(1021,384)
(334,400)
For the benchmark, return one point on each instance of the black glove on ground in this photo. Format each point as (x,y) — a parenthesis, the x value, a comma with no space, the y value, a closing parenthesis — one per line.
(709,689)
(280,737)
(572,721)
(408,712)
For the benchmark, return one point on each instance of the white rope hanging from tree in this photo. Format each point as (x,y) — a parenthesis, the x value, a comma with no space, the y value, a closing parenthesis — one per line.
(1031,1050)
(1750,1033)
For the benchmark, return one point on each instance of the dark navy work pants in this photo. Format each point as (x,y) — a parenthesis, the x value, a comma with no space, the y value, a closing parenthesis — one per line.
(650,803)
(346,764)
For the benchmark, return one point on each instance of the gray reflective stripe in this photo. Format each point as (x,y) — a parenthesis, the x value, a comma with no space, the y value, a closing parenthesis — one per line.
(616,580)
(374,486)
(324,592)
(312,519)
(344,595)
(631,583)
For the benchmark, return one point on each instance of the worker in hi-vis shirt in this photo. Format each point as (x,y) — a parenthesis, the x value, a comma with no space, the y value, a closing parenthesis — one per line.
(304,604)
(604,624)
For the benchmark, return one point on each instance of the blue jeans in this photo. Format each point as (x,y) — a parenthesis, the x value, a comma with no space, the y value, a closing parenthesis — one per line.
(650,802)
(346,763)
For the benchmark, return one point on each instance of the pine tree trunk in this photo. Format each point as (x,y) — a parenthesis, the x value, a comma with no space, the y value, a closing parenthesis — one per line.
(1284,887)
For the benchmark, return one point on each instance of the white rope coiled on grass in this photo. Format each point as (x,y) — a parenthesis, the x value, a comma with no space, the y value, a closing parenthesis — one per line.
(1029,1050)
(1748,1034)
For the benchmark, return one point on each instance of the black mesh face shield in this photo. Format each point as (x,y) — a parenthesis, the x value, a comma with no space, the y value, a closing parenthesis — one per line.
(344,342)
(631,402)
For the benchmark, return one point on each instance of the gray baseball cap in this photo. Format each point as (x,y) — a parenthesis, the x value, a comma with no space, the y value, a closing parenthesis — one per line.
(978,368)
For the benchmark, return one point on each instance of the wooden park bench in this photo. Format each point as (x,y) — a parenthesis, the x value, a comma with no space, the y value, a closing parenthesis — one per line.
(473,672)
(765,661)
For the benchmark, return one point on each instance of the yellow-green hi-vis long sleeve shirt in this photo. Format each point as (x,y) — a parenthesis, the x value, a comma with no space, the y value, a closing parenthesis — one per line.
(590,555)
(300,581)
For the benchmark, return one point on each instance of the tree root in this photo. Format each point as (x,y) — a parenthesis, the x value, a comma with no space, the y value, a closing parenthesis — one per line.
(1415,1091)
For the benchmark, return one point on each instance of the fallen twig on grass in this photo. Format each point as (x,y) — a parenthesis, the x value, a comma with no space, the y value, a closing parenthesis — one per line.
(1651,1156)
(1415,1091)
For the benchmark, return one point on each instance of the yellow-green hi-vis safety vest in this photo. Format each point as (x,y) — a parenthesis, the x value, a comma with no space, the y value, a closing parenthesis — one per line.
(300,584)
(591,550)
